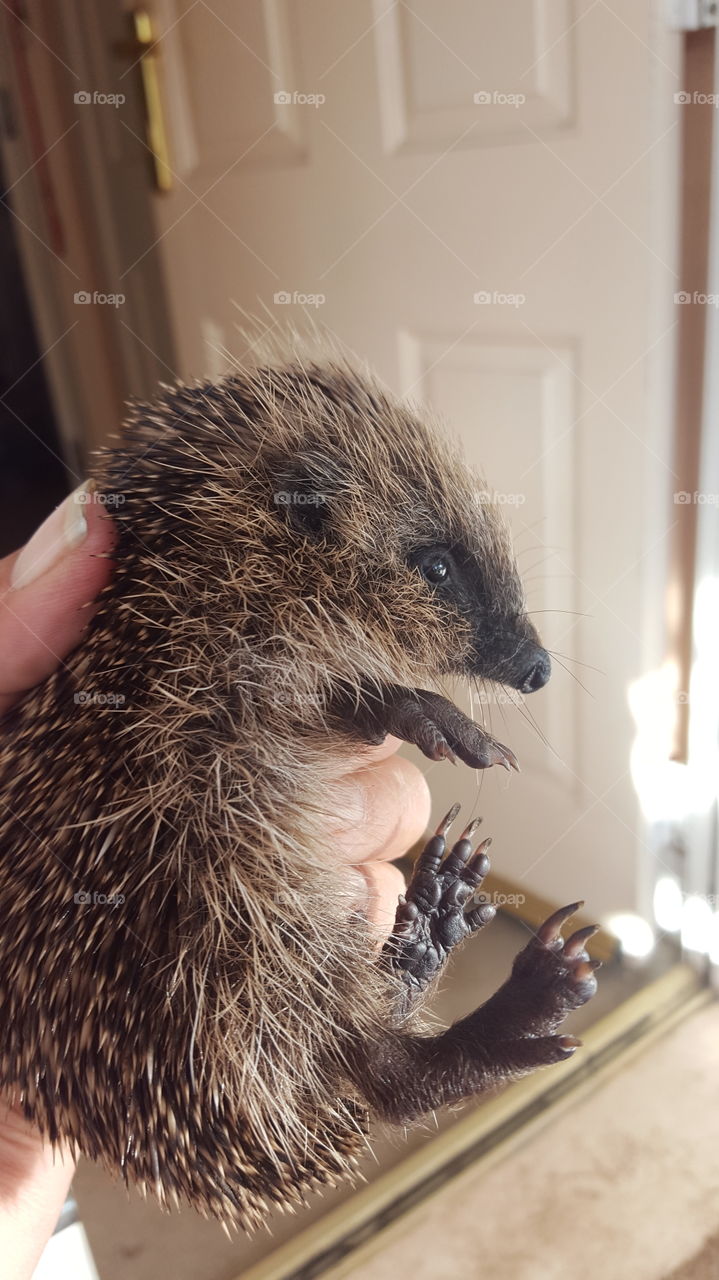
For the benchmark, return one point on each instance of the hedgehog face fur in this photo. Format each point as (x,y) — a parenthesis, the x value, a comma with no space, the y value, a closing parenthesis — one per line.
(405,504)
(298,558)
(395,534)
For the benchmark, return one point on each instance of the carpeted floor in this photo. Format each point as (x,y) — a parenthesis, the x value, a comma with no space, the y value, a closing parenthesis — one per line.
(624,1184)
(703,1266)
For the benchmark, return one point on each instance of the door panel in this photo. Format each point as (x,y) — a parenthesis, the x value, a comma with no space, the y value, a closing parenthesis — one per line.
(222,77)
(431,65)
(499,260)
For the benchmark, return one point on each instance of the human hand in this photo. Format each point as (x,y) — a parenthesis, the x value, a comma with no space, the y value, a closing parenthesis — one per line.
(46,591)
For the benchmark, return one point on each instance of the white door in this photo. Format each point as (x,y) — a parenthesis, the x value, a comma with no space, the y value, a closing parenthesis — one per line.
(466,194)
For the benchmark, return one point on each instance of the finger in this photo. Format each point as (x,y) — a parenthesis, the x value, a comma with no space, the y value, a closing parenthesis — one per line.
(33,1186)
(384,883)
(47,589)
(383,810)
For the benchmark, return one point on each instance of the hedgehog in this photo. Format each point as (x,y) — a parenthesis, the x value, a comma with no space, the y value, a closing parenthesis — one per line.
(301,560)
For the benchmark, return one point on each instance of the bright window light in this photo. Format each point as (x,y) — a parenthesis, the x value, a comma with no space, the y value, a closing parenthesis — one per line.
(697,924)
(668,904)
(635,934)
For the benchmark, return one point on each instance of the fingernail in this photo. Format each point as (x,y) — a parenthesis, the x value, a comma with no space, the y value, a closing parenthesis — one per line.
(63,530)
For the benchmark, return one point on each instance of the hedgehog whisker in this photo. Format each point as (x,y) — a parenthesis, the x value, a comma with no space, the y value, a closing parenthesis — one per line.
(573,674)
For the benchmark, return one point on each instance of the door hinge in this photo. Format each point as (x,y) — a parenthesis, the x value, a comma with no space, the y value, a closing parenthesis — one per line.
(690,15)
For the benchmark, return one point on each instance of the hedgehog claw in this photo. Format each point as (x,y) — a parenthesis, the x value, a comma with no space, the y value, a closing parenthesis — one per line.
(548,933)
(448,819)
(441,750)
(470,829)
(575,945)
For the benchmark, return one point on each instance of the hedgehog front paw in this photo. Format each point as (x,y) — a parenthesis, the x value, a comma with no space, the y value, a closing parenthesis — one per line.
(428,721)
(432,915)
(441,730)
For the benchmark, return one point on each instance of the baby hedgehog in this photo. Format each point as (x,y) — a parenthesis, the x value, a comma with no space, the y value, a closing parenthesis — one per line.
(188,991)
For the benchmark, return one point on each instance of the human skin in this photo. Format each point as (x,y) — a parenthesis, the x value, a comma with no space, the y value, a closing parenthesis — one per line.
(46,594)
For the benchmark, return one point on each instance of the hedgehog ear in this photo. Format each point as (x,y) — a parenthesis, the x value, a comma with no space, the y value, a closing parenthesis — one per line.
(306,505)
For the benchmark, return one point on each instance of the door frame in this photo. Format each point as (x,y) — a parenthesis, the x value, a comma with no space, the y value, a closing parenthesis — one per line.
(44,57)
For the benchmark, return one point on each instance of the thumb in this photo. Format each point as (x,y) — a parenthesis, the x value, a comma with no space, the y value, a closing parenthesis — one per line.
(34,1182)
(46,590)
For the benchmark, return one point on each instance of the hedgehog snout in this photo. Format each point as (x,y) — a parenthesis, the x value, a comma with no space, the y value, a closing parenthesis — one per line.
(515,656)
(537,673)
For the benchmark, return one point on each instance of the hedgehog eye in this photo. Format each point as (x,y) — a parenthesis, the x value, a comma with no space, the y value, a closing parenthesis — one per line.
(435,569)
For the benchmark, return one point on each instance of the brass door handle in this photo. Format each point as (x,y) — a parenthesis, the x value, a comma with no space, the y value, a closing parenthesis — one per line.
(143,47)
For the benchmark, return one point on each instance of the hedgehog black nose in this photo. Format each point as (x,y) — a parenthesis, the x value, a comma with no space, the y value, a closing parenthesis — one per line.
(537,675)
